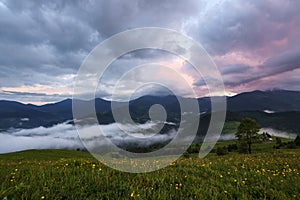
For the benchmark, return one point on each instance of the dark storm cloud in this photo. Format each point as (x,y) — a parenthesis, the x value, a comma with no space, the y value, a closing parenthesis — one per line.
(238,25)
(111,17)
(235,69)
(285,62)
(44,42)
(50,36)
(39,42)
(37,23)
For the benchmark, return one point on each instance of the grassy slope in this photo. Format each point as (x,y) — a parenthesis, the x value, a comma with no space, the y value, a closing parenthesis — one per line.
(230,127)
(63,174)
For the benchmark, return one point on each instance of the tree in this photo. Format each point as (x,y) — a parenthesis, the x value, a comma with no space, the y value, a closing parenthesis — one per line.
(247,132)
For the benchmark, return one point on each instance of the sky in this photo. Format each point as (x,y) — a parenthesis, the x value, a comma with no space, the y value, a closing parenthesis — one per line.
(255,44)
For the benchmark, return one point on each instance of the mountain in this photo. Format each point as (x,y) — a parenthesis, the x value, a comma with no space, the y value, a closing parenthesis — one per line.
(276,100)
(64,108)
(18,115)
(284,104)
(272,101)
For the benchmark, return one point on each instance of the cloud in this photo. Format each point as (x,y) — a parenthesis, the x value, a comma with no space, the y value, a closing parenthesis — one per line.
(235,25)
(277,65)
(235,69)
(7,92)
(286,61)
(43,42)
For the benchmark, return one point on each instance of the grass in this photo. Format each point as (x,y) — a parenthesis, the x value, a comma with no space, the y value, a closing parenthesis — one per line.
(61,174)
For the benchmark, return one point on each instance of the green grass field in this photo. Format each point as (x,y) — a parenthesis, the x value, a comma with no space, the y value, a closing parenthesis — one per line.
(61,174)
(230,127)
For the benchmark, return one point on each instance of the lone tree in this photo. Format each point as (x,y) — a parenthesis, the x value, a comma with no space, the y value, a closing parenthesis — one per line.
(247,132)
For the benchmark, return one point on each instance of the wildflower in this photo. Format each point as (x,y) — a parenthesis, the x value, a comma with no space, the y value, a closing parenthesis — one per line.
(132,194)
(42,197)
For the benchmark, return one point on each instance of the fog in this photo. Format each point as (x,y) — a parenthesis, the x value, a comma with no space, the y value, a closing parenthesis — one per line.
(271,131)
(278,133)
(65,136)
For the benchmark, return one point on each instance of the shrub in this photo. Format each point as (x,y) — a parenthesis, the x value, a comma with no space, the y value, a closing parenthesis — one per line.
(278,141)
(243,148)
(193,149)
(291,145)
(186,155)
(222,151)
(297,140)
(232,147)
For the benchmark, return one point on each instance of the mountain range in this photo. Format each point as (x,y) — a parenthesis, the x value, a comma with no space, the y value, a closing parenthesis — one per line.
(278,109)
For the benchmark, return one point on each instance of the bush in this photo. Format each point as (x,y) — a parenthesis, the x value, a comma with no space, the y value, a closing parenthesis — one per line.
(232,147)
(276,147)
(222,151)
(278,141)
(297,140)
(243,148)
(193,149)
(186,155)
(291,145)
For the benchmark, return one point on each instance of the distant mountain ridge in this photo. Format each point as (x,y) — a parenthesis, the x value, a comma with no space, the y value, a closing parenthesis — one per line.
(275,100)
(18,115)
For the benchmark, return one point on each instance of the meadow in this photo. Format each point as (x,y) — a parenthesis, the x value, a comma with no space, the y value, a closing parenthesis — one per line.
(63,174)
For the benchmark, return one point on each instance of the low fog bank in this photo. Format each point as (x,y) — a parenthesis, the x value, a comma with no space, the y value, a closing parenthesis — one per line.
(272,132)
(65,136)
(278,133)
